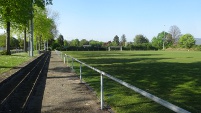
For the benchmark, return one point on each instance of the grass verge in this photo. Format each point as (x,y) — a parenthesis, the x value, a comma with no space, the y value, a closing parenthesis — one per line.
(7,62)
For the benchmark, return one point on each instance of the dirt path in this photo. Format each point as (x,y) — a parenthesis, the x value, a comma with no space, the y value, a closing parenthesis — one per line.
(64,94)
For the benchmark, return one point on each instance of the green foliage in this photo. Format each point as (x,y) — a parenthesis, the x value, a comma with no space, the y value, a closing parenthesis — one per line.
(94,43)
(186,41)
(84,42)
(75,43)
(66,43)
(197,47)
(144,46)
(42,24)
(140,39)
(14,43)
(123,40)
(56,45)
(2,40)
(169,41)
(21,42)
(158,41)
(16,14)
(60,40)
(116,41)
(5,52)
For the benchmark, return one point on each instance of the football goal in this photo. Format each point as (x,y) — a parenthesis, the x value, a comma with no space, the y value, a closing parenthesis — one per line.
(114,48)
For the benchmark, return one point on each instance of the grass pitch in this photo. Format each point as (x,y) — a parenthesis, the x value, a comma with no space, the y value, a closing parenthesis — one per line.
(171,75)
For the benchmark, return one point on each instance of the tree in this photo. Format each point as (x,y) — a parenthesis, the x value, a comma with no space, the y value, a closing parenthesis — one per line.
(186,41)
(140,39)
(16,13)
(123,40)
(169,40)
(22,43)
(44,27)
(116,40)
(94,43)
(14,43)
(84,42)
(60,40)
(55,45)
(75,42)
(175,32)
(158,41)
(66,43)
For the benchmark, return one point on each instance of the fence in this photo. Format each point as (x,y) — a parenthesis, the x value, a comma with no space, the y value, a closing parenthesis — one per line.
(16,51)
(140,91)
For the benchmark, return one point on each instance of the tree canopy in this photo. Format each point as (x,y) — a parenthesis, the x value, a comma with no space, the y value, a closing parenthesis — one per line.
(158,41)
(186,41)
(140,39)
(116,40)
(17,13)
(175,32)
(2,40)
(123,40)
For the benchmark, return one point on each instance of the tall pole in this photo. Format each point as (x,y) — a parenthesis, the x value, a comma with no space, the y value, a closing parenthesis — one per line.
(31,28)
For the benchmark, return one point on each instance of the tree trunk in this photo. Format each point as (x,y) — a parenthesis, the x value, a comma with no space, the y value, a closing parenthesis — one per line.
(8,39)
(25,40)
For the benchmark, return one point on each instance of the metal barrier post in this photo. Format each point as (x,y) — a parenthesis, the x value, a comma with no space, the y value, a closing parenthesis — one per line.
(64,59)
(80,73)
(102,97)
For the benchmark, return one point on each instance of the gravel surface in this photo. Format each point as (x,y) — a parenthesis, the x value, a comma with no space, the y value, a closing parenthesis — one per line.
(63,92)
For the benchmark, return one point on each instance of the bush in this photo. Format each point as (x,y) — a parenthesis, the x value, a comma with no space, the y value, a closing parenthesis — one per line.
(4,52)
(197,47)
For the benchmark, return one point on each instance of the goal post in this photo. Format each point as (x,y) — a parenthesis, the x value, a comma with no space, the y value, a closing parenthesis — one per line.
(110,48)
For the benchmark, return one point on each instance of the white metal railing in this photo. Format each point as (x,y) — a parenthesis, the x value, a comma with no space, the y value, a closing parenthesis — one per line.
(140,91)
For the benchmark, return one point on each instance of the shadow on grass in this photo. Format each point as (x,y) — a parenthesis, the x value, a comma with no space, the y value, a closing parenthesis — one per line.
(178,83)
(73,77)
(6,66)
(112,54)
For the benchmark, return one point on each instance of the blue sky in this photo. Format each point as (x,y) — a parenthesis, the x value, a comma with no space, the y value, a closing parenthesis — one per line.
(103,19)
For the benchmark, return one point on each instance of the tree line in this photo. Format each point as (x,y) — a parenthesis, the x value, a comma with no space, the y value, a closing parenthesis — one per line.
(15,18)
(164,40)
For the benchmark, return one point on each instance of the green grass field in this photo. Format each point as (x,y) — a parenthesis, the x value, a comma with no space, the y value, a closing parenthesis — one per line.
(171,75)
(9,61)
